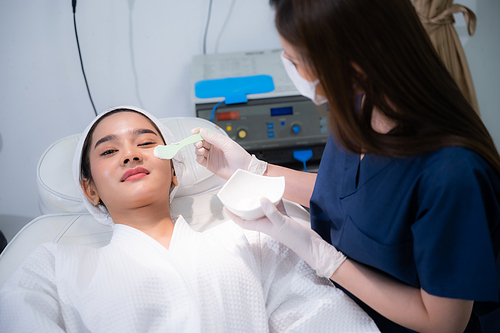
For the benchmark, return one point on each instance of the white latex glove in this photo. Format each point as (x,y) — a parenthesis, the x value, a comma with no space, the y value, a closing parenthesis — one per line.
(323,257)
(223,156)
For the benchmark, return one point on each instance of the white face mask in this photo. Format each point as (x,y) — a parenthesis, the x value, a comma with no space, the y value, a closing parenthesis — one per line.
(306,88)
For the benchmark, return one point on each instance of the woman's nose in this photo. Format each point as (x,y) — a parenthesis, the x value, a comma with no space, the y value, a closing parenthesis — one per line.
(132,155)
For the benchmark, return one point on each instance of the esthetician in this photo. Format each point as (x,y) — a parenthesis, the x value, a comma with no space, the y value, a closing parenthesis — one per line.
(405,207)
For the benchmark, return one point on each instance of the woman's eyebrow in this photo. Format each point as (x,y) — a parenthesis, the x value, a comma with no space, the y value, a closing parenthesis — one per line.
(106,138)
(144,131)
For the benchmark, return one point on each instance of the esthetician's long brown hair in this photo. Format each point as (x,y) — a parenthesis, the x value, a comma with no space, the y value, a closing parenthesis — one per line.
(401,75)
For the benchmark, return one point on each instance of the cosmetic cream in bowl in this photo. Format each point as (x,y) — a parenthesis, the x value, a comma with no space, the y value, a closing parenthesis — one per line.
(242,193)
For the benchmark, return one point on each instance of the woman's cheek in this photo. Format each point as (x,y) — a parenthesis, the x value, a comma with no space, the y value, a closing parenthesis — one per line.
(106,175)
(99,171)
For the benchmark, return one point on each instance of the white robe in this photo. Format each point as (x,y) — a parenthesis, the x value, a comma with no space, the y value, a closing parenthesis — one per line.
(222,280)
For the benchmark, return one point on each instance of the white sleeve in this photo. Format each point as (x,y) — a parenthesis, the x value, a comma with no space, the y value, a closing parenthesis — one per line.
(297,300)
(29,300)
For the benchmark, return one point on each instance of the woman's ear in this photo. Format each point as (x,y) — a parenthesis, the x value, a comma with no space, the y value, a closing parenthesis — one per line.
(175,182)
(90,191)
(174,176)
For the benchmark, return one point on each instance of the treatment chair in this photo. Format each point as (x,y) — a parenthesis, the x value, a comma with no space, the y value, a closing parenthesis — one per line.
(65,219)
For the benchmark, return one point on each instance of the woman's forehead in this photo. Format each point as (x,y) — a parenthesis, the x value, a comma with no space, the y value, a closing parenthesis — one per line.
(123,123)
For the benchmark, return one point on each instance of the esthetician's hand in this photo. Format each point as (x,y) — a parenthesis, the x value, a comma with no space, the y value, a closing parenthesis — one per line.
(320,255)
(223,156)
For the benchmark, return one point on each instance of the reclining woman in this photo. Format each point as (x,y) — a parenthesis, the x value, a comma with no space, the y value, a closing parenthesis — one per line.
(157,274)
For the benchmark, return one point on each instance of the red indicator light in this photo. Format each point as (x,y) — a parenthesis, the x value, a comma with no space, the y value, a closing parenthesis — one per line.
(231,115)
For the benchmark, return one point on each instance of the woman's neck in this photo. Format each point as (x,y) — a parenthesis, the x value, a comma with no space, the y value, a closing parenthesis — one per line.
(380,123)
(155,223)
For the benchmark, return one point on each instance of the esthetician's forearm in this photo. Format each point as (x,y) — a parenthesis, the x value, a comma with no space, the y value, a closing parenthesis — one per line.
(299,184)
(403,304)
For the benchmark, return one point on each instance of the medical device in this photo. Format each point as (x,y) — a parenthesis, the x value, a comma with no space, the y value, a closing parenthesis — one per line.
(271,125)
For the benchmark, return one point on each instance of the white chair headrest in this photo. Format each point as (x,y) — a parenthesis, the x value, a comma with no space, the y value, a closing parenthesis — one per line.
(57,191)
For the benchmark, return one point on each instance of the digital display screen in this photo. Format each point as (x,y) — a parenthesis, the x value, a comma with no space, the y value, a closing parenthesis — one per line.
(284,111)
(231,115)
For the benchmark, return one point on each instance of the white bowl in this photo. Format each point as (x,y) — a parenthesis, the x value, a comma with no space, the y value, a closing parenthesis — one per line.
(242,193)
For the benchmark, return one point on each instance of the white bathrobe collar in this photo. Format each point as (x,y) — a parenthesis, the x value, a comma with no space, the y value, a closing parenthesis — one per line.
(182,233)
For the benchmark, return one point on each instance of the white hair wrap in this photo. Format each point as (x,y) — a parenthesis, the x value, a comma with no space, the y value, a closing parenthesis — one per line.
(99,212)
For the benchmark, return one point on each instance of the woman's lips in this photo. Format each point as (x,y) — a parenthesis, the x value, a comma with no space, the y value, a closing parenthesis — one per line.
(134,174)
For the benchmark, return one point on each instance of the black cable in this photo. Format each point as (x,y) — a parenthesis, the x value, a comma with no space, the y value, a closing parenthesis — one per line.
(206,28)
(228,16)
(80,54)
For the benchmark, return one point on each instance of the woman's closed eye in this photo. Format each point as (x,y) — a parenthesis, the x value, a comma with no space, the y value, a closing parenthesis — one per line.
(148,143)
(108,152)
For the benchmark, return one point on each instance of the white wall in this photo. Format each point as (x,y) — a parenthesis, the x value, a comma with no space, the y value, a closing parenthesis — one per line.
(138,53)
(483,54)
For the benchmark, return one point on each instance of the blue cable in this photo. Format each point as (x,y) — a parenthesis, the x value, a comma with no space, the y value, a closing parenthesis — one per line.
(213,111)
(303,156)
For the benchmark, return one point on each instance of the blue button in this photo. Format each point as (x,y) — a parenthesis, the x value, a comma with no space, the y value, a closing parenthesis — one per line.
(270,134)
(282,123)
(296,129)
(270,126)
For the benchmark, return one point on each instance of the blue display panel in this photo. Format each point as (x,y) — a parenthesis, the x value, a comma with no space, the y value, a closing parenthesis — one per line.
(284,111)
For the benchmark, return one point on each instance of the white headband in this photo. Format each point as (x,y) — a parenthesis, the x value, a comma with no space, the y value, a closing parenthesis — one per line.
(99,212)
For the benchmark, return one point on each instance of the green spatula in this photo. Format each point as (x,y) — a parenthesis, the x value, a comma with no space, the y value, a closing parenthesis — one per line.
(169,151)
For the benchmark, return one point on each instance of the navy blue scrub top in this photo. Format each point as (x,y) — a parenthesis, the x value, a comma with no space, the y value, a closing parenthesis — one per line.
(430,220)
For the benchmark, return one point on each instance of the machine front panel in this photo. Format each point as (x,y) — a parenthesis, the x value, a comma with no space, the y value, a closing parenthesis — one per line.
(271,124)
